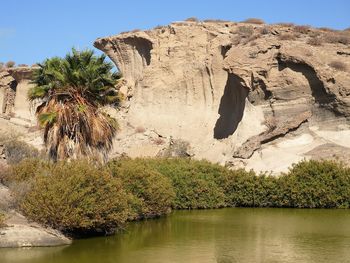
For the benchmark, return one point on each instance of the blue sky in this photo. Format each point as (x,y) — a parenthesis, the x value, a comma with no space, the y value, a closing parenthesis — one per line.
(32,30)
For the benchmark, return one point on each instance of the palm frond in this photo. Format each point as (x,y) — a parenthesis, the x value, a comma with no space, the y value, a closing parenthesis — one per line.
(72,89)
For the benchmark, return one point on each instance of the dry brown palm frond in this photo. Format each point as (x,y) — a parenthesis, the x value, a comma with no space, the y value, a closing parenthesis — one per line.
(75,130)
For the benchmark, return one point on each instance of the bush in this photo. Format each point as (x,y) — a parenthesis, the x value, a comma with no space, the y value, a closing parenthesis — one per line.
(254,21)
(338,65)
(246,189)
(2,219)
(16,150)
(153,193)
(302,29)
(77,198)
(287,36)
(10,64)
(265,30)
(216,21)
(192,19)
(336,37)
(195,182)
(176,148)
(245,31)
(315,41)
(4,172)
(315,184)
(25,171)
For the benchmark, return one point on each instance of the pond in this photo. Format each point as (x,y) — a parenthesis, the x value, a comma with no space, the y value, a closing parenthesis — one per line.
(222,235)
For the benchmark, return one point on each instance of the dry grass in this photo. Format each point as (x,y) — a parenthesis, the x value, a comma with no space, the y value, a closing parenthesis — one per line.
(335,38)
(327,29)
(192,19)
(256,21)
(338,65)
(245,31)
(302,29)
(216,21)
(2,219)
(285,24)
(315,41)
(287,36)
(265,30)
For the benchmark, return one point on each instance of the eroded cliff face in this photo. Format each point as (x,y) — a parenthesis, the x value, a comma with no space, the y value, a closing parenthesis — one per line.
(253,95)
(14,103)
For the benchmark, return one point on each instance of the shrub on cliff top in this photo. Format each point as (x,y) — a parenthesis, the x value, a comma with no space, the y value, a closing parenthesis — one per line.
(257,21)
(302,29)
(78,198)
(10,64)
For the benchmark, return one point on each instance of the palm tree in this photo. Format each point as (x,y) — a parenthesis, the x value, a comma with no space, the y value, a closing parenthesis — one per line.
(71,91)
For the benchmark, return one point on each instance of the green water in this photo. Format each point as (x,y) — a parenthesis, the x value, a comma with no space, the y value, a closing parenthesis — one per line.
(224,235)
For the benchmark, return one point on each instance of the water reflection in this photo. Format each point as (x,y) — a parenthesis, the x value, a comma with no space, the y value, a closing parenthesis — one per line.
(224,236)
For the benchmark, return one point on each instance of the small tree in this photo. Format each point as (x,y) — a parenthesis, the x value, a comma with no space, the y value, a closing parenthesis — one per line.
(72,89)
(10,64)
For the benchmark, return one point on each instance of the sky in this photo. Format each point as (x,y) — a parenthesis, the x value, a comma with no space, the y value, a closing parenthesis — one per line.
(33,30)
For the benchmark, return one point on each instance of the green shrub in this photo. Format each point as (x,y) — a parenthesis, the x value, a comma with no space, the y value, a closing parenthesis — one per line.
(153,193)
(315,184)
(25,171)
(194,182)
(77,197)
(246,189)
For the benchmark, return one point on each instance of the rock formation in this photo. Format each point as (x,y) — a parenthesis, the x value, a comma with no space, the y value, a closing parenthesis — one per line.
(238,93)
(235,93)
(19,232)
(14,104)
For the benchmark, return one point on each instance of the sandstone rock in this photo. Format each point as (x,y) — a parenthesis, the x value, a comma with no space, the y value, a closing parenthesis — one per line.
(14,86)
(19,232)
(219,85)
